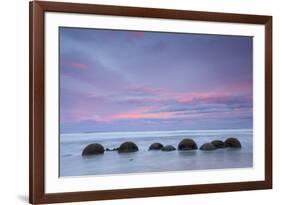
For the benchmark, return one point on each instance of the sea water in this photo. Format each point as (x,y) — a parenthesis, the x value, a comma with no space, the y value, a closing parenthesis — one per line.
(73,164)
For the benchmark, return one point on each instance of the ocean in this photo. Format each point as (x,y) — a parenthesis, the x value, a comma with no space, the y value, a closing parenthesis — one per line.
(73,164)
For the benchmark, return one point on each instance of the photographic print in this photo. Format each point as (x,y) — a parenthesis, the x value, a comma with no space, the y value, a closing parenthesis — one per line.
(143,101)
(129,102)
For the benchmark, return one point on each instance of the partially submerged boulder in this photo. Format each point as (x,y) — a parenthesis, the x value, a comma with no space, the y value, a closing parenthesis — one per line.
(93,149)
(128,147)
(156,146)
(168,148)
(187,144)
(218,144)
(208,147)
(233,143)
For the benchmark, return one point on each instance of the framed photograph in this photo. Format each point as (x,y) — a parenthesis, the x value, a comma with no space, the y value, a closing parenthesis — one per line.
(132,102)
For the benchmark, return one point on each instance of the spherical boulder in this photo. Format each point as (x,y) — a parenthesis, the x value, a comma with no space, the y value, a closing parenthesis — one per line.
(93,149)
(218,144)
(168,148)
(156,146)
(187,144)
(208,147)
(233,143)
(128,147)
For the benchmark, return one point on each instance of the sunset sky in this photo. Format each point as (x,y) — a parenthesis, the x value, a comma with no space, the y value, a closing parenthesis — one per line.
(150,81)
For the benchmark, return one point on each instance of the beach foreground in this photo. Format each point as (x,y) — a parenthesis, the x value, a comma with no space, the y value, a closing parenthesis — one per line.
(142,161)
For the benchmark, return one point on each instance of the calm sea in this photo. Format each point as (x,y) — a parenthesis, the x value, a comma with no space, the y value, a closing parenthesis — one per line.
(73,164)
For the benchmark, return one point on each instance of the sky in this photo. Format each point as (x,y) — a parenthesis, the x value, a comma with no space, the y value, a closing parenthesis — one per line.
(114,80)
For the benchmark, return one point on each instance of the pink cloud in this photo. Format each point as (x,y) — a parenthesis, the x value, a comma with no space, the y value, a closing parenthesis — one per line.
(157,97)
(190,97)
(141,113)
(78,65)
(180,97)
(216,96)
(239,87)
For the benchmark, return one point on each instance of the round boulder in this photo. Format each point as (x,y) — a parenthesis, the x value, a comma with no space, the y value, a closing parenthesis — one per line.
(93,149)
(208,147)
(127,147)
(168,148)
(218,144)
(232,142)
(187,144)
(156,146)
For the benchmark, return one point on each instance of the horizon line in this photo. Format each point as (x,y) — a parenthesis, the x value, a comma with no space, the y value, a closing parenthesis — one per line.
(202,130)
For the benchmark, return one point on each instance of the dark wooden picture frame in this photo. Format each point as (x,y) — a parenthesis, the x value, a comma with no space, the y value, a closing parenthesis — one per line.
(37,193)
